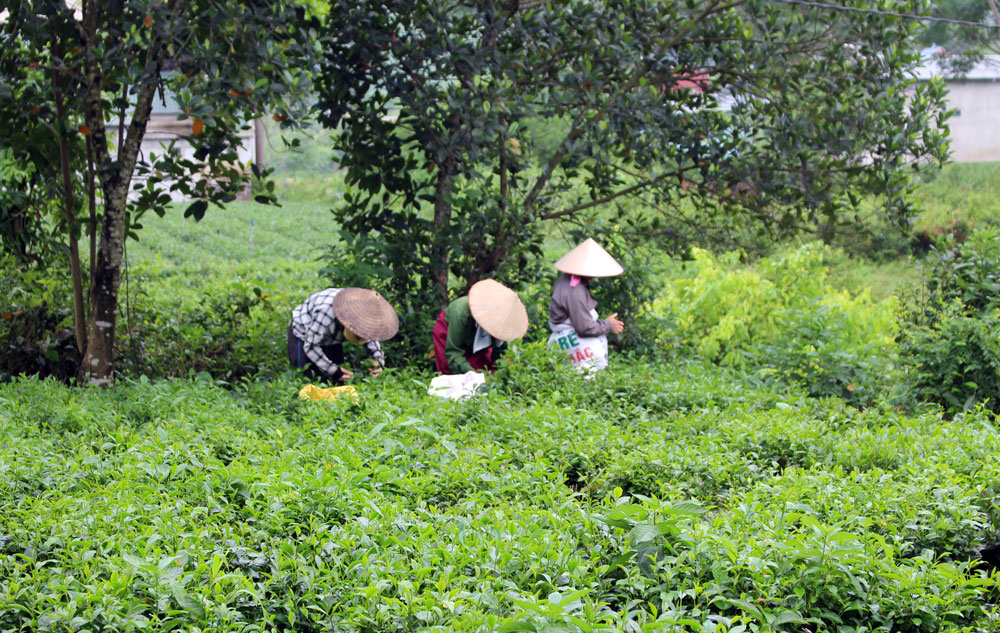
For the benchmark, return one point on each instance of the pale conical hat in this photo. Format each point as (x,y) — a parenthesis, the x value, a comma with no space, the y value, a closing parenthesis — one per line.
(366,313)
(498,310)
(589,260)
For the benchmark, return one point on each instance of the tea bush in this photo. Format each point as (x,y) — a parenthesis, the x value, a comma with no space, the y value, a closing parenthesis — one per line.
(782,317)
(682,498)
(652,496)
(36,320)
(954,362)
(966,272)
(234,332)
(217,295)
(951,335)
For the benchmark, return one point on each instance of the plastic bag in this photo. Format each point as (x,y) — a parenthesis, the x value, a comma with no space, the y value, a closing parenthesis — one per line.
(587,353)
(457,386)
(312,392)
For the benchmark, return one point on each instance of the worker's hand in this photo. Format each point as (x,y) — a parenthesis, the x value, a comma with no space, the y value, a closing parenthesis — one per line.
(376,369)
(617,325)
(347,375)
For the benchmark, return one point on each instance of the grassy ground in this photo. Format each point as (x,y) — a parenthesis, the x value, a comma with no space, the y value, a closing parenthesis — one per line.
(963,195)
(881,279)
(276,249)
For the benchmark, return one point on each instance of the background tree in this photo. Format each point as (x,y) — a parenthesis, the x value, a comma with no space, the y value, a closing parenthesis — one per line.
(467,126)
(77,87)
(961,45)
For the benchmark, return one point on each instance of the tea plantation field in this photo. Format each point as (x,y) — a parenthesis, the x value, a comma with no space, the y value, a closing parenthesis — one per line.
(656,497)
(651,498)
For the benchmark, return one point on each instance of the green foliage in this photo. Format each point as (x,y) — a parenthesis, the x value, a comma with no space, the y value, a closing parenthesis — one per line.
(883,279)
(956,360)
(951,340)
(959,199)
(217,295)
(236,332)
(26,205)
(35,322)
(466,127)
(968,273)
(305,151)
(82,88)
(681,498)
(960,45)
(783,318)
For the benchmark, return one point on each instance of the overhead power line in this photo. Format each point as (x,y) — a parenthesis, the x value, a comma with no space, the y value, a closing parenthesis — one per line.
(906,16)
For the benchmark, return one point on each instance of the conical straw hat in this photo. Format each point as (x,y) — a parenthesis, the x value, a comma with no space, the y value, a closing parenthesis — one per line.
(498,310)
(366,313)
(589,260)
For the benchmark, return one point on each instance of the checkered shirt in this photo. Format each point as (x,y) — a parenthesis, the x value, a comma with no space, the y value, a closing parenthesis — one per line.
(316,325)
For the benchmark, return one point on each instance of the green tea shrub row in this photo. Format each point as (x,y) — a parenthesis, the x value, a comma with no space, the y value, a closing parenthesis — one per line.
(234,331)
(644,498)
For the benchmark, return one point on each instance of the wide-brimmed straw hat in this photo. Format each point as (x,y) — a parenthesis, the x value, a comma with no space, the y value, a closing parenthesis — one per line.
(589,260)
(498,310)
(366,313)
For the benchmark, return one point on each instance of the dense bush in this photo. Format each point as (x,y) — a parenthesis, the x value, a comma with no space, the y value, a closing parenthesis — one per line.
(232,333)
(36,321)
(784,318)
(967,272)
(955,361)
(951,335)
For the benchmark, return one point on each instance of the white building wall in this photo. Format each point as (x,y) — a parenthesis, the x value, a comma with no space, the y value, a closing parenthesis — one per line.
(975,127)
(975,97)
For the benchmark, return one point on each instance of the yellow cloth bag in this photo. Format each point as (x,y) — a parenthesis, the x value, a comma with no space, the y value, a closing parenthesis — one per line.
(312,392)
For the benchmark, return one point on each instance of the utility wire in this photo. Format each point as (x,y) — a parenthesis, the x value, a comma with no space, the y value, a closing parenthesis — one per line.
(907,16)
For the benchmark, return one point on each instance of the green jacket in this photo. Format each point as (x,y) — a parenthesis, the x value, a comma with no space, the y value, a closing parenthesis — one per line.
(461,335)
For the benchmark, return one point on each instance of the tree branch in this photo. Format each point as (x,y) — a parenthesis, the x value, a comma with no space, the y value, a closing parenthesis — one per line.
(612,196)
(580,125)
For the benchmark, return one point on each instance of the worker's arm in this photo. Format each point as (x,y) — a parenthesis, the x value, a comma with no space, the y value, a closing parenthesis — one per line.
(579,314)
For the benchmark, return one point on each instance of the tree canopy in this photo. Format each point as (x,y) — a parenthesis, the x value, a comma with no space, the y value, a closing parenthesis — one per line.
(466,126)
(961,42)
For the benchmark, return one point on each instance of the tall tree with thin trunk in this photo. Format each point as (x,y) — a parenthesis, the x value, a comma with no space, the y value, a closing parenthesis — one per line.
(106,64)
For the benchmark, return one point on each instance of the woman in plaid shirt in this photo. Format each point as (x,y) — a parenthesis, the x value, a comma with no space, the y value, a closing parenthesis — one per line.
(321,323)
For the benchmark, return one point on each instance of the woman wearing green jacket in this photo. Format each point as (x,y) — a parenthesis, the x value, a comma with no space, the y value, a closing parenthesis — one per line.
(472,332)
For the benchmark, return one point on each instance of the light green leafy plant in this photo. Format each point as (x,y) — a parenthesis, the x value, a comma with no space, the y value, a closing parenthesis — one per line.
(782,317)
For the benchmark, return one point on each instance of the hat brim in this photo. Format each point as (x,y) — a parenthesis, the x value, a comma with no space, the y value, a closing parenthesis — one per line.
(366,313)
(589,259)
(498,310)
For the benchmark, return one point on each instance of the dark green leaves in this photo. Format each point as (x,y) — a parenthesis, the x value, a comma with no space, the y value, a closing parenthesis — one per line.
(693,123)
(196,210)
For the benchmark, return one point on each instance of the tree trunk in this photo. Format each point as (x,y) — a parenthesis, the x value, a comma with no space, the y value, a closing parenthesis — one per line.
(68,203)
(258,142)
(442,229)
(92,206)
(98,360)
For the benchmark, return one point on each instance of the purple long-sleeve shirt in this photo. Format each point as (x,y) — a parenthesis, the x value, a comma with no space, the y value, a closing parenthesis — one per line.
(573,304)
